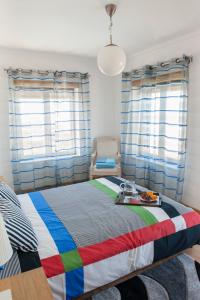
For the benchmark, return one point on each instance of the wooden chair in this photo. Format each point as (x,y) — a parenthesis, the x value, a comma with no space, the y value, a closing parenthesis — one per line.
(109,147)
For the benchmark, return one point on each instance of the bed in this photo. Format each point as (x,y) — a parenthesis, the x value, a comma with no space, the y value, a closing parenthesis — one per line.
(86,242)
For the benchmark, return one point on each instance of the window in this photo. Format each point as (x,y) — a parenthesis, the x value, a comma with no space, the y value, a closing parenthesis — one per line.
(164,114)
(159,116)
(49,120)
(153,126)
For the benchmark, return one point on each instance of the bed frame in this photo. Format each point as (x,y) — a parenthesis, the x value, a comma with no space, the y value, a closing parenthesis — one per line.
(89,294)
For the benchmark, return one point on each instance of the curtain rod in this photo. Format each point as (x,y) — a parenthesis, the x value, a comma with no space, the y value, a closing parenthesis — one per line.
(185,58)
(42,72)
(28,70)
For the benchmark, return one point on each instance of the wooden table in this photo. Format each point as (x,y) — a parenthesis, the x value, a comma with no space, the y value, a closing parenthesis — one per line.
(31,285)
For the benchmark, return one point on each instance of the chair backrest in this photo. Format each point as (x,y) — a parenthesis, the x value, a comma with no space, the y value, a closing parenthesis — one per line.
(106,146)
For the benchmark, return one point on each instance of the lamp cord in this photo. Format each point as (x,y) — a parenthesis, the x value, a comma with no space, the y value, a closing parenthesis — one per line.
(110,29)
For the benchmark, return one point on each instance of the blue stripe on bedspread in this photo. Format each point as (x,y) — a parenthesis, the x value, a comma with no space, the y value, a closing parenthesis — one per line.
(74,283)
(74,280)
(59,233)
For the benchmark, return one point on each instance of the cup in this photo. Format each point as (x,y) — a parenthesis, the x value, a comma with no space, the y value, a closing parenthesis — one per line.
(128,188)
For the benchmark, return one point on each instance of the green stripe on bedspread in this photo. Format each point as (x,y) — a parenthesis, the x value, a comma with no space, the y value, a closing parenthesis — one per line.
(143,213)
(112,194)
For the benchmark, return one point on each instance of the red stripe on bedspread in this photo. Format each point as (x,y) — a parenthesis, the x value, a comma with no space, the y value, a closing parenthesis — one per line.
(192,218)
(52,266)
(90,254)
(125,242)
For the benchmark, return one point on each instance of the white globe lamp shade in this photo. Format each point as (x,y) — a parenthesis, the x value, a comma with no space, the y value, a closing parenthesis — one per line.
(111,60)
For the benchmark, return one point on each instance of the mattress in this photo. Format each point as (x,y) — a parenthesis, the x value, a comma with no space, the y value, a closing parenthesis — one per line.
(86,241)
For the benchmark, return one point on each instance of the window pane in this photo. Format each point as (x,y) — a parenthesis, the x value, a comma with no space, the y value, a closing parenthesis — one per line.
(157,122)
(49,126)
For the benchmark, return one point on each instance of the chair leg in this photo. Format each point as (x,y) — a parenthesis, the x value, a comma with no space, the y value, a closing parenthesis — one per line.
(119,173)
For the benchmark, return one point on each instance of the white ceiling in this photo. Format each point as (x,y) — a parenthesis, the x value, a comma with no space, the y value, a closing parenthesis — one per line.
(81,26)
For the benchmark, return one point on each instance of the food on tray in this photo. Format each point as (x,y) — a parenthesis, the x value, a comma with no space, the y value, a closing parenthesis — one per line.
(148,196)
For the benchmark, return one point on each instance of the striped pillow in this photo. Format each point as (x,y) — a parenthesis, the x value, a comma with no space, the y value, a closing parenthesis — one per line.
(18,226)
(8,193)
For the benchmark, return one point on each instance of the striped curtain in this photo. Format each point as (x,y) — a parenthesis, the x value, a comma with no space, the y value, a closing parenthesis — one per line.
(49,128)
(153,126)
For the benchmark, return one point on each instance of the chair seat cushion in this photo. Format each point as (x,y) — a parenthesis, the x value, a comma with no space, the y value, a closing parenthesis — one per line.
(107,171)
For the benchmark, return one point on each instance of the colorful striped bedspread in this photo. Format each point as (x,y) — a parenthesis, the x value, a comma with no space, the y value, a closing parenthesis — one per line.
(86,241)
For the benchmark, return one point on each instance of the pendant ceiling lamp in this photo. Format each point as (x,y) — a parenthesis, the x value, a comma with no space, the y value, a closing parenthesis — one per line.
(111,59)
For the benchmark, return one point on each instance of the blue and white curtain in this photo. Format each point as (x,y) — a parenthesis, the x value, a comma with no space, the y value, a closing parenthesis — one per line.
(153,126)
(49,128)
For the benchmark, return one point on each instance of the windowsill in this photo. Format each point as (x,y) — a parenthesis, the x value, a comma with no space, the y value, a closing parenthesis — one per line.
(171,164)
(48,158)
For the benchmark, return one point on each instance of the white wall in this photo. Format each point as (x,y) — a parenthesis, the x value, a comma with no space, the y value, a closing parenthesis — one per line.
(102,90)
(189,45)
